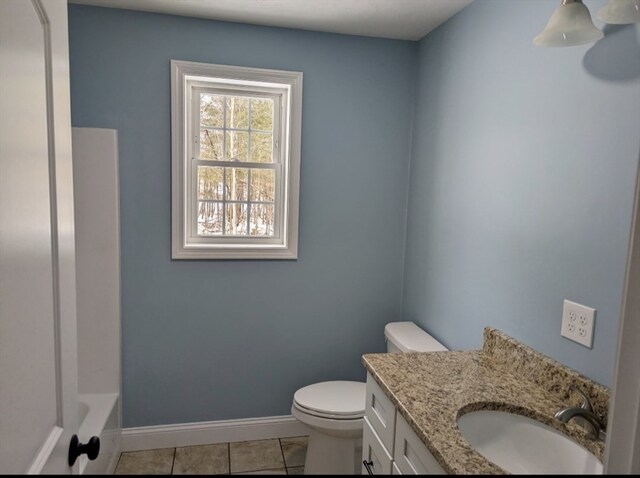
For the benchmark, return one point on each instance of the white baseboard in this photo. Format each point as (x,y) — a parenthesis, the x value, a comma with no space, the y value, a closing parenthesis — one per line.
(203,433)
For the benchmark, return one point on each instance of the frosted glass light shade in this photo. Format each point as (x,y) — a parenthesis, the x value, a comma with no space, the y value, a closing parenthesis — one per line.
(620,12)
(569,25)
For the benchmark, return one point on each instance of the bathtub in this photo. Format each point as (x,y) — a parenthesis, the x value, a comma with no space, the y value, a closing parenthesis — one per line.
(100,416)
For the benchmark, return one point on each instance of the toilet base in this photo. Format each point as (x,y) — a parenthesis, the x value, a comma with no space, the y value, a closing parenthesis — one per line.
(330,455)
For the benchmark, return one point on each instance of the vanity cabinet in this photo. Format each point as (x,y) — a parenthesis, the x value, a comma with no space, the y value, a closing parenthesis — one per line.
(389,445)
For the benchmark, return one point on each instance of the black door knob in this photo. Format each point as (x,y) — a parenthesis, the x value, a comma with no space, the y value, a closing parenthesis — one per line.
(91,448)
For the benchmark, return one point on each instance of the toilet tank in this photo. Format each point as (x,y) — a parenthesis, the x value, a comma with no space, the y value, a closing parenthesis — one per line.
(408,337)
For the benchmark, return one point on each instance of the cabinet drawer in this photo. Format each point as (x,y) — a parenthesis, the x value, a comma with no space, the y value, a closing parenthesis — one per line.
(380,412)
(410,454)
(374,452)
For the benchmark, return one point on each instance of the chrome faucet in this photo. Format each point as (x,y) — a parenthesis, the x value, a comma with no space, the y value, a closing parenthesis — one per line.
(584,411)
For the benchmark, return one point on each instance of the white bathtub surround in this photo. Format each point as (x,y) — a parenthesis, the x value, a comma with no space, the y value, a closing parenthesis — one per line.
(100,412)
(97,227)
(95,173)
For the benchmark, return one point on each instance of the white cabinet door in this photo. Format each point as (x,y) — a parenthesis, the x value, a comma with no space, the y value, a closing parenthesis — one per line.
(374,453)
(380,412)
(411,455)
(38,365)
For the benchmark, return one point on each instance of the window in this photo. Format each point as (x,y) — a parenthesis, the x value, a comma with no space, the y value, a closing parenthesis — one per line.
(236,162)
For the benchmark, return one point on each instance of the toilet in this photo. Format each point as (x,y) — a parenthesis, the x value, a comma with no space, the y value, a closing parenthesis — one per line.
(334,411)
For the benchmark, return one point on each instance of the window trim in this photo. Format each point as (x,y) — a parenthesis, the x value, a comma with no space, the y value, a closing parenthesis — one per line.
(187,75)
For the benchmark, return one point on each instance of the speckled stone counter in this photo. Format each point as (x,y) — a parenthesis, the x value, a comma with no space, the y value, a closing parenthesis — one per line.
(432,390)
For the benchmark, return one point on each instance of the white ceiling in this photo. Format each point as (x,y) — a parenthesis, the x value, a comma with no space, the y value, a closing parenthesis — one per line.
(399,19)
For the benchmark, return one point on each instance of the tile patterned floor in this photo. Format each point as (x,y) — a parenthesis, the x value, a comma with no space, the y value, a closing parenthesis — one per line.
(284,456)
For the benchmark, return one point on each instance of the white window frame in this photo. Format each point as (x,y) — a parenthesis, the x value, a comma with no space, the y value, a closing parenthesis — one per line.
(188,80)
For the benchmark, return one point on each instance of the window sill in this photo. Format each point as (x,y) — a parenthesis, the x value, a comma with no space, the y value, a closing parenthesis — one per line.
(247,253)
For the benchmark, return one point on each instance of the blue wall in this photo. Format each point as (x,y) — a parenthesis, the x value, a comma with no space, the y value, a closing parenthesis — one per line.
(521,188)
(522,181)
(212,340)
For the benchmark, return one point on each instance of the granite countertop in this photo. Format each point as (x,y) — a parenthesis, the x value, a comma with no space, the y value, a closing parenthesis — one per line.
(432,390)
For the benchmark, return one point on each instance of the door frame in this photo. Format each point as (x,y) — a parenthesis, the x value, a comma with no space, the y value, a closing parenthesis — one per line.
(622,452)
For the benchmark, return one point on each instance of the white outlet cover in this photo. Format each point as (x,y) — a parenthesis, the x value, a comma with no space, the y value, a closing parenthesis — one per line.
(578,322)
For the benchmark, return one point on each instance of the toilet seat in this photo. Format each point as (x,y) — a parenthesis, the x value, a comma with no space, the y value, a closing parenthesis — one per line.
(330,416)
(336,400)
(341,428)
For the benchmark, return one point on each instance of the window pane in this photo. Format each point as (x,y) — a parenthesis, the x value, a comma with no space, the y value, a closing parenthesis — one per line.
(263,184)
(237,112)
(236,189)
(211,144)
(210,183)
(211,110)
(262,114)
(209,218)
(237,144)
(236,221)
(262,220)
(262,147)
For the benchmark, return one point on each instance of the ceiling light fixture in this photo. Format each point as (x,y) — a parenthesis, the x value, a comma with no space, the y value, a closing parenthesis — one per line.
(569,25)
(620,12)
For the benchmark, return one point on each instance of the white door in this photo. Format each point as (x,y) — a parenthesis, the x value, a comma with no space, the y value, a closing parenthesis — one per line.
(38,369)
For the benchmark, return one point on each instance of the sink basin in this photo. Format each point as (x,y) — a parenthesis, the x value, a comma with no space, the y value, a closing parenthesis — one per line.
(522,445)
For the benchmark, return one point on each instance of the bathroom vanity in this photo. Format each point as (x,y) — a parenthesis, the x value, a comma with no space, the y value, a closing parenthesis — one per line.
(414,402)
(389,445)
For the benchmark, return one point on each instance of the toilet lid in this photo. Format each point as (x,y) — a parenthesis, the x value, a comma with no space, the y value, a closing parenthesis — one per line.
(339,398)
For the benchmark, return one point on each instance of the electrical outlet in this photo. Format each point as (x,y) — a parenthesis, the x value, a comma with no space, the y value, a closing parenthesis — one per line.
(577,323)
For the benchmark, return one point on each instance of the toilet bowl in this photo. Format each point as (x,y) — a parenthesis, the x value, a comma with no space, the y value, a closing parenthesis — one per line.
(334,411)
